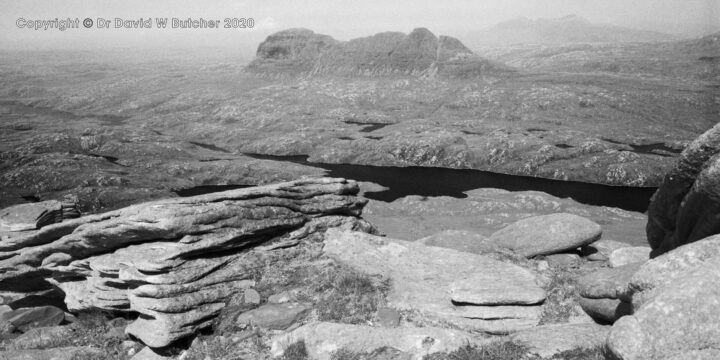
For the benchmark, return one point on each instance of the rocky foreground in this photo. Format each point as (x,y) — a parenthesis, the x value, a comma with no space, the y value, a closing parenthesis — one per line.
(293,271)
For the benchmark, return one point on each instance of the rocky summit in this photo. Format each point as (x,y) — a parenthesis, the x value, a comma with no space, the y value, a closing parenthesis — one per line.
(301,51)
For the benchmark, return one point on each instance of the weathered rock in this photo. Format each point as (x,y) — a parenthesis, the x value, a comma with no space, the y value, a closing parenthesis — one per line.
(460,240)
(666,268)
(42,337)
(547,234)
(322,339)
(548,340)
(24,319)
(605,309)
(33,216)
(61,353)
(683,316)
(600,292)
(685,207)
(178,261)
(629,255)
(601,249)
(274,316)
(281,298)
(607,283)
(470,291)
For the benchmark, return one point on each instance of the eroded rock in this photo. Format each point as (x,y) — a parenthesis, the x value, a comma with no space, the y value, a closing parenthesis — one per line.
(629,255)
(684,209)
(548,340)
(178,261)
(682,317)
(469,291)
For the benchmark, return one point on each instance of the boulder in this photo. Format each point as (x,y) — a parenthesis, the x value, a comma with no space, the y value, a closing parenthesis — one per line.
(600,292)
(322,339)
(605,310)
(684,209)
(274,316)
(547,340)
(666,268)
(470,291)
(601,249)
(178,261)
(24,319)
(460,240)
(683,316)
(547,234)
(629,255)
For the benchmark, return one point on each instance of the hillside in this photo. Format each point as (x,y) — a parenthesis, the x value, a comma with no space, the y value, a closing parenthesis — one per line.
(565,30)
(301,51)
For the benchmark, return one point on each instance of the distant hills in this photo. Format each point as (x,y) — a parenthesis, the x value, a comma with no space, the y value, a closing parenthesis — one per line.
(565,30)
(302,51)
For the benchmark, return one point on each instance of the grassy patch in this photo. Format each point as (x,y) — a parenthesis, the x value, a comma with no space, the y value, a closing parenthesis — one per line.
(500,350)
(562,297)
(598,353)
(349,297)
(296,351)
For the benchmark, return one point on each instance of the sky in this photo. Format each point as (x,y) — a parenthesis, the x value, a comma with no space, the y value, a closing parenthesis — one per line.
(341,19)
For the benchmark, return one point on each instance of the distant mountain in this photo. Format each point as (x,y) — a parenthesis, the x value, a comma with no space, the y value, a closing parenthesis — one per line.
(564,30)
(301,51)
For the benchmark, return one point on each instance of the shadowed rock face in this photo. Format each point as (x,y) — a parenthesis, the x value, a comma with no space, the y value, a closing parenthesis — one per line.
(685,207)
(177,262)
(419,53)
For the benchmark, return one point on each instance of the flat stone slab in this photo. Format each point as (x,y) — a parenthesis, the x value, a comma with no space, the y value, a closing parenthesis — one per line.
(274,316)
(460,240)
(472,291)
(547,234)
(322,339)
(548,340)
(600,250)
(607,283)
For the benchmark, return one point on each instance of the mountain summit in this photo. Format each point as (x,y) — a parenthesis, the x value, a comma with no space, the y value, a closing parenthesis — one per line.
(302,51)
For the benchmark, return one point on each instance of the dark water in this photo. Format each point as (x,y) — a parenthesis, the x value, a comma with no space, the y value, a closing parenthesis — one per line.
(210,147)
(428,181)
(368,127)
(207,189)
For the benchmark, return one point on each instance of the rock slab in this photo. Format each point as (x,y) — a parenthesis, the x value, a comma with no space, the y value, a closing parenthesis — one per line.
(473,292)
(322,339)
(547,234)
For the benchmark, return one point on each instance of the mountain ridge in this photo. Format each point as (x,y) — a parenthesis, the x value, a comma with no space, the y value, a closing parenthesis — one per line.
(303,52)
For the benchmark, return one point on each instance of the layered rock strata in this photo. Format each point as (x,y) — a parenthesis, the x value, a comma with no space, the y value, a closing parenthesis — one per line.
(177,262)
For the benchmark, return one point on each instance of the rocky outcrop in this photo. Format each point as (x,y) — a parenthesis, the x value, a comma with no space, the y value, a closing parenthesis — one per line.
(301,51)
(682,317)
(177,261)
(666,268)
(685,207)
(469,291)
(323,339)
(547,234)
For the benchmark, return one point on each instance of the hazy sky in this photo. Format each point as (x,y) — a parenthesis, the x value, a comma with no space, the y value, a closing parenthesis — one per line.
(341,19)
